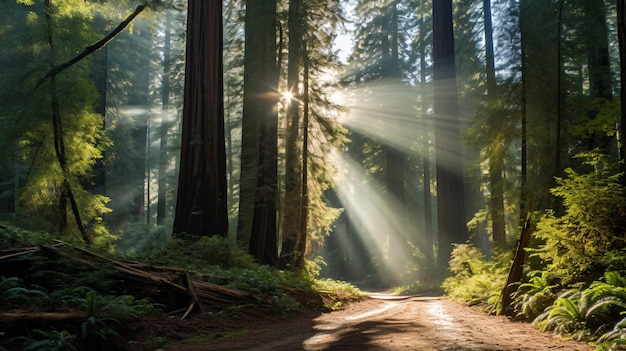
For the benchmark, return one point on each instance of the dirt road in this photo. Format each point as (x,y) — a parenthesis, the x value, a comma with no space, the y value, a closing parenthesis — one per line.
(388,322)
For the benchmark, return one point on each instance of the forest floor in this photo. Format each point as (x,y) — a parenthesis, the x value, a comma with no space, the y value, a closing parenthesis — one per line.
(383,322)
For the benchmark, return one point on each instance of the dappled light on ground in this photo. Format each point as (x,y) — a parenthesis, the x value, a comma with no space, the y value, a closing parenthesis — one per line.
(387,322)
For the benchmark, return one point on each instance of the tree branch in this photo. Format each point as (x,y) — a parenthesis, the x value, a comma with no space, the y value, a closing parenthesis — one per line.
(92,48)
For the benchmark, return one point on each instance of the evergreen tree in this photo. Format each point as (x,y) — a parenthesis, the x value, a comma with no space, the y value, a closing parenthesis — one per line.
(53,128)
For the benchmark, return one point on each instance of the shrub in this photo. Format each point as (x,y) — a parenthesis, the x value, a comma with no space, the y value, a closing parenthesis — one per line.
(589,238)
(475,279)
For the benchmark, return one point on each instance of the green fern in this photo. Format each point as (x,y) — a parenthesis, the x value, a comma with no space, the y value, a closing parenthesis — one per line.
(52,341)
(532,297)
(96,331)
(585,313)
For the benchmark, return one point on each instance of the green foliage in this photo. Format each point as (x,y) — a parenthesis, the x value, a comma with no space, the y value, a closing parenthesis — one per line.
(52,341)
(27,135)
(12,237)
(589,312)
(476,280)
(199,253)
(534,296)
(335,293)
(14,293)
(589,238)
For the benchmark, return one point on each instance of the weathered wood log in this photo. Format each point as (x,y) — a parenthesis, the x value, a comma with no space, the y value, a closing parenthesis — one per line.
(173,287)
(40,317)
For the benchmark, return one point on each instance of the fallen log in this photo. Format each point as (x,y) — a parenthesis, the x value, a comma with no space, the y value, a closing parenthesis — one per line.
(173,287)
(40,317)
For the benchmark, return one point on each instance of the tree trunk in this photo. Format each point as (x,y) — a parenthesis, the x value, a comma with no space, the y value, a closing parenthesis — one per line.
(496,158)
(523,205)
(395,159)
(292,208)
(259,151)
(139,99)
(201,205)
(621,34)
(598,63)
(165,99)
(302,240)
(428,211)
(449,162)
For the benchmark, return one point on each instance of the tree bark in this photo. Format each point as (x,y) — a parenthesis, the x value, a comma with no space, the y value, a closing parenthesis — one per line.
(165,99)
(496,158)
(428,211)
(292,205)
(201,205)
(259,152)
(449,162)
(621,34)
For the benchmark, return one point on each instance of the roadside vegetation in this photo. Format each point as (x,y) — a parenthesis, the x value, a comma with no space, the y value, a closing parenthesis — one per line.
(72,306)
(575,272)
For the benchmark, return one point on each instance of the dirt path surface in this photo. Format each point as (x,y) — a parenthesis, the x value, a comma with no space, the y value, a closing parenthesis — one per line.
(388,322)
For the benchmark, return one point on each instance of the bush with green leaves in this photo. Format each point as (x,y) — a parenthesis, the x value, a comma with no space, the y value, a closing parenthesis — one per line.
(198,253)
(588,239)
(476,280)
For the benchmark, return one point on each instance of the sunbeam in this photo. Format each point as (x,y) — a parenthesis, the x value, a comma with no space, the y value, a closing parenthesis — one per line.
(378,220)
(385,111)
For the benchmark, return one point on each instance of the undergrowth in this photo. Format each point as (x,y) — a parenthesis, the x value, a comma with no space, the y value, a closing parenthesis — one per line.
(575,283)
(476,280)
(105,319)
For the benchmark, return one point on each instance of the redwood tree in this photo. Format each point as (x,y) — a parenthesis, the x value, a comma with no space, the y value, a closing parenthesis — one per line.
(450,193)
(259,150)
(201,204)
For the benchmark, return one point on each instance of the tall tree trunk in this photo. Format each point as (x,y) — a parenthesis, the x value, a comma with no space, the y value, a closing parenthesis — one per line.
(395,159)
(301,242)
(428,241)
(139,99)
(598,63)
(496,158)
(293,194)
(259,151)
(597,43)
(524,133)
(450,187)
(201,205)
(621,34)
(559,91)
(165,100)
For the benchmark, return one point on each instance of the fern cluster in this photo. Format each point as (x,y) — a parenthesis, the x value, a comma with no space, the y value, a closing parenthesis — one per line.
(107,317)
(594,312)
